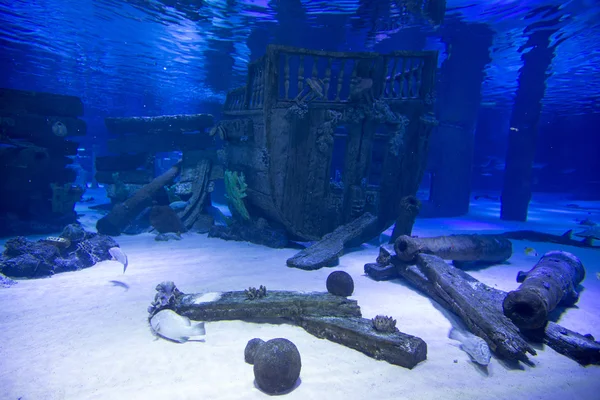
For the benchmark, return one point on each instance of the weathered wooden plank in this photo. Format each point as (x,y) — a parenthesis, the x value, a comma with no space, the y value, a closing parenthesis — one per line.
(326,252)
(357,333)
(40,103)
(170,123)
(324,315)
(276,304)
(475,303)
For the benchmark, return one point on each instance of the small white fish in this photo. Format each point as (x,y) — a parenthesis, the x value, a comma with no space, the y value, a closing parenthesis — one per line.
(474,346)
(172,326)
(118,255)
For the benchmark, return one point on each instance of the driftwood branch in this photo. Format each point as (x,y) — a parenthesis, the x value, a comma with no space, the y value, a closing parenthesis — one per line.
(551,282)
(327,251)
(123,213)
(481,248)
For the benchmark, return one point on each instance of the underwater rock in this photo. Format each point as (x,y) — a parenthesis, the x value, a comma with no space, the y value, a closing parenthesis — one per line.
(164,219)
(257,232)
(203,224)
(277,366)
(6,282)
(251,349)
(23,258)
(340,283)
(140,224)
(165,237)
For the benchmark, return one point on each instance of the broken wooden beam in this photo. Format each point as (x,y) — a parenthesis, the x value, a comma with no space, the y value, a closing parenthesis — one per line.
(488,249)
(40,103)
(171,123)
(480,308)
(581,348)
(123,213)
(357,333)
(327,251)
(321,314)
(550,283)
(475,303)
(276,304)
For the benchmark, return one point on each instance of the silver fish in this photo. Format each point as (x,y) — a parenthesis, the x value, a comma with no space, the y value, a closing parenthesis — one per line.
(118,255)
(473,345)
(172,326)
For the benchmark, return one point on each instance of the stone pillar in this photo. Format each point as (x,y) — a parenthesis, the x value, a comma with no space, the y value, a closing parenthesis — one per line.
(522,136)
(458,102)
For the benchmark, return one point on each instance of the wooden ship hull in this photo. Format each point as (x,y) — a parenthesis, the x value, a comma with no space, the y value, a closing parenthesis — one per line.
(323,137)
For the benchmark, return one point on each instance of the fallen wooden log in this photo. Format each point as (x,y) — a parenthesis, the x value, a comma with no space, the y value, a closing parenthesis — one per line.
(551,282)
(407,213)
(326,252)
(123,213)
(480,308)
(534,236)
(276,304)
(324,315)
(489,249)
(471,300)
(357,333)
(172,123)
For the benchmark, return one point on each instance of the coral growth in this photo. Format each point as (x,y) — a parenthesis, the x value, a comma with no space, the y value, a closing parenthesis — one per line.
(235,186)
(384,324)
(253,293)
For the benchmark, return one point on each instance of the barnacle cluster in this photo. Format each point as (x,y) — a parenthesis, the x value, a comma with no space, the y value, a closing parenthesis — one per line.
(384,324)
(253,293)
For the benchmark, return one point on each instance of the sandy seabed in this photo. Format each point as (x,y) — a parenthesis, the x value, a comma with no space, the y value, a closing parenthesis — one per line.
(78,336)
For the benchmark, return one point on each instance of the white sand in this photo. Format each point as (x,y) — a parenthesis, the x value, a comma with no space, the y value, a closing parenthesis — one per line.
(76,336)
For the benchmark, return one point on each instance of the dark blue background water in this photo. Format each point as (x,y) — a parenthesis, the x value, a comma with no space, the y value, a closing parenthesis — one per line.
(139,57)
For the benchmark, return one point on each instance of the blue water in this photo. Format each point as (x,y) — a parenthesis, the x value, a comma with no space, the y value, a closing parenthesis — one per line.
(155,57)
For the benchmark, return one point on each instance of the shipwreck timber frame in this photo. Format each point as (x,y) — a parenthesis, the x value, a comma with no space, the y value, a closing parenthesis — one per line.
(300,109)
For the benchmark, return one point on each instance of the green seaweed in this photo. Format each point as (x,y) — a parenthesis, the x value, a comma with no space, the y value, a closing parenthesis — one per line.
(235,186)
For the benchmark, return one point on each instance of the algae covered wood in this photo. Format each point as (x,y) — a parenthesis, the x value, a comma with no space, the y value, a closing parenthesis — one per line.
(276,304)
(171,123)
(480,248)
(357,333)
(326,252)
